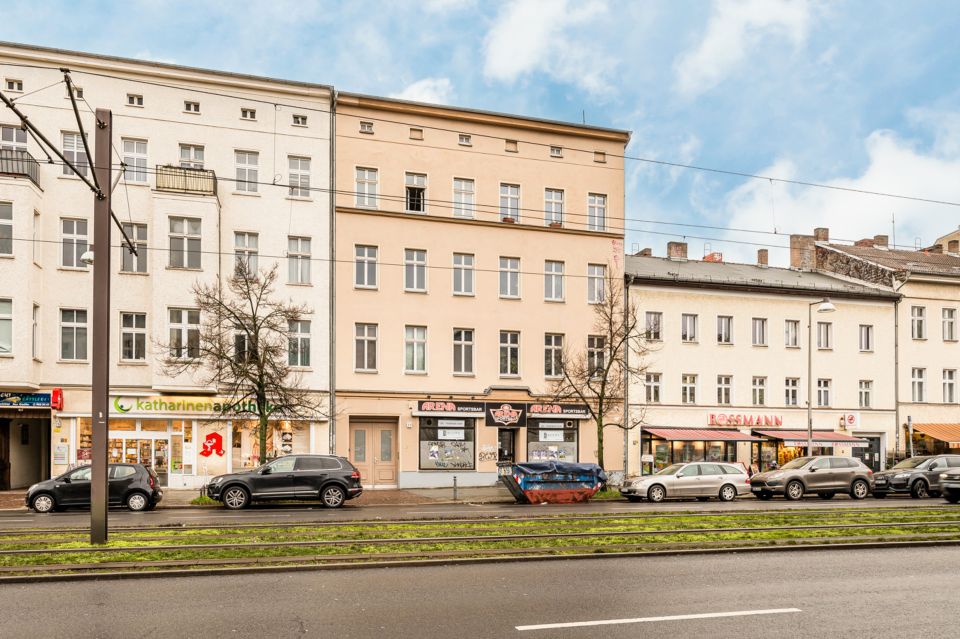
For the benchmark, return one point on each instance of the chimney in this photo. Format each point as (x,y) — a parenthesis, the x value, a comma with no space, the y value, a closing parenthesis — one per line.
(802,256)
(953,247)
(677,250)
(880,241)
(763,257)
(645,253)
(821,234)
(865,243)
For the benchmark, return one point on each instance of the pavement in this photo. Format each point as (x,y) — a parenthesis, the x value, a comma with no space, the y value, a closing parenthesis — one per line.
(826,593)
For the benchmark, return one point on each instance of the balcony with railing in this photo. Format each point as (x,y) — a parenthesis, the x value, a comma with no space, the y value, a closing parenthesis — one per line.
(19,164)
(177,179)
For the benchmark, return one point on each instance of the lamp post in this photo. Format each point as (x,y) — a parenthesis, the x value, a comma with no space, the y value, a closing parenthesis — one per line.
(825,306)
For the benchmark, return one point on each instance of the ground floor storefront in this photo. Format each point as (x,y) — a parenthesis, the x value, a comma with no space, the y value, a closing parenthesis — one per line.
(24,438)
(936,439)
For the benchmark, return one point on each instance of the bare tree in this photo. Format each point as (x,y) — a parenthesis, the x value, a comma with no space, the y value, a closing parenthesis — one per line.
(598,374)
(243,349)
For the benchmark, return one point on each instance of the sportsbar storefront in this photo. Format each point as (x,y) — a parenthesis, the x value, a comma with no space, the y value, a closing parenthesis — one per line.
(661,447)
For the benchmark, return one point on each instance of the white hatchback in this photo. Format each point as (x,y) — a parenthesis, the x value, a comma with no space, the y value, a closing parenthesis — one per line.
(701,480)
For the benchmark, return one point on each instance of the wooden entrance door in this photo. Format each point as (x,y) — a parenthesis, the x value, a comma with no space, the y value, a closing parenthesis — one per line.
(373,450)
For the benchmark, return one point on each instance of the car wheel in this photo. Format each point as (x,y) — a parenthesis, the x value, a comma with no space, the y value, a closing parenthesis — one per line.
(793,491)
(953,498)
(765,496)
(880,495)
(656,493)
(826,495)
(633,498)
(727,493)
(333,496)
(137,502)
(860,489)
(919,489)
(43,503)
(236,497)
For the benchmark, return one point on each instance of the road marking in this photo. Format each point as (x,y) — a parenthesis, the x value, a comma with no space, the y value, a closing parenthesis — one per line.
(706,615)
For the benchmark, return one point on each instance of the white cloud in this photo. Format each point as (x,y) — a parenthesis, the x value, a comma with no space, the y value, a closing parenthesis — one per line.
(432,90)
(442,6)
(736,28)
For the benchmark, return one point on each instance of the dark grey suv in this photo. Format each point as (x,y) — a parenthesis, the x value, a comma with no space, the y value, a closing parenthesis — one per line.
(826,476)
(919,476)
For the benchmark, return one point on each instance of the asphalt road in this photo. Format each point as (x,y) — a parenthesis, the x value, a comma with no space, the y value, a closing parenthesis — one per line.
(833,593)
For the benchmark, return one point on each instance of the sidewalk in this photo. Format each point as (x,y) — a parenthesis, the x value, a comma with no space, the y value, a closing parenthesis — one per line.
(181,497)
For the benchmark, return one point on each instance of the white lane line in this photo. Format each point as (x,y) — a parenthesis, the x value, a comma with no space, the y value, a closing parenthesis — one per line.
(706,615)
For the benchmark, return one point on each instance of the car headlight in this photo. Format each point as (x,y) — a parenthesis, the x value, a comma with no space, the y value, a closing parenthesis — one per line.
(901,475)
(216,480)
(30,490)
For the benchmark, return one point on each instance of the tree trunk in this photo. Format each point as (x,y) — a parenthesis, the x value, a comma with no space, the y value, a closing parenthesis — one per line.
(263,437)
(600,444)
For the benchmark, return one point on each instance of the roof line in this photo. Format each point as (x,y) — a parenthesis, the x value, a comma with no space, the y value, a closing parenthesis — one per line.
(839,249)
(865,293)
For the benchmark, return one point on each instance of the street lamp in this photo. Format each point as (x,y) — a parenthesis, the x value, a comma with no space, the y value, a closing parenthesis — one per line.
(823,306)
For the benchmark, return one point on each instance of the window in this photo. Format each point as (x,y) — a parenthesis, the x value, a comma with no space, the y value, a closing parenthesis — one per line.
(652,385)
(823,392)
(416,192)
(366,187)
(688,327)
(415,349)
(247,172)
(298,260)
(6,326)
(464,203)
(184,242)
(596,354)
(35,333)
(600,156)
(791,333)
(792,390)
(74,153)
(133,337)
(509,353)
(248,114)
(191,156)
(245,249)
(299,120)
(191,107)
(6,228)
(134,99)
(949,322)
(415,270)
(759,391)
(866,392)
(556,151)
(14,85)
(759,331)
(553,281)
(724,389)
(462,274)
(131,263)
(465,139)
(824,335)
(724,329)
(596,283)
(553,207)
(73,234)
(463,351)
(73,334)
(35,241)
(596,212)
(552,355)
(135,159)
(184,333)
(77,92)
(510,202)
(298,353)
(918,322)
(416,133)
(654,322)
(299,176)
(365,266)
(13,138)
(243,353)
(949,386)
(365,347)
(510,277)
(866,338)
(366,127)
(918,378)
(688,389)
(511,146)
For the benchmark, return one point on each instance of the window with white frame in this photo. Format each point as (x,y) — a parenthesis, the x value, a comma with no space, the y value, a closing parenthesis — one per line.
(509,353)
(298,260)
(73,334)
(823,392)
(416,185)
(510,277)
(724,329)
(365,266)
(135,159)
(824,335)
(949,386)
(365,347)
(463,274)
(415,349)
(510,202)
(184,333)
(243,352)
(553,207)
(246,247)
(366,127)
(653,325)
(299,120)
(191,156)
(248,172)
(949,324)
(759,331)
(759,391)
(134,99)
(463,351)
(791,333)
(299,176)
(596,212)
(553,281)
(596,283)
(247,113)
(688,327)
(596,354)
(133,337)
(6,228)
(866,338)
(415,270)
(367,181)
(35,333)
(191,107)
(184,242)
(918,322)
(866,393)
(791,387)
(688,389)
(552,355)
(131,263)
(725,389)
(464,197)
(74,153)
(14,85)
(651,384)
(298,336)
(13,138)
(73,242)
(465,139)
(6,326)
(918,380)
(556,151)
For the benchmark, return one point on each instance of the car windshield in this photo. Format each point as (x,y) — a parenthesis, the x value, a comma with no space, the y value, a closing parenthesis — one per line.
(913,462)
(670,470)
(799,462)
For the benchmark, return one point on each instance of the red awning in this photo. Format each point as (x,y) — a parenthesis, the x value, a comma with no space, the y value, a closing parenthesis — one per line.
(821,437)
(700,434)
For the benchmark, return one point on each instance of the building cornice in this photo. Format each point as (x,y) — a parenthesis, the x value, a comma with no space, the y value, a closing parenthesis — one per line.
(671,282)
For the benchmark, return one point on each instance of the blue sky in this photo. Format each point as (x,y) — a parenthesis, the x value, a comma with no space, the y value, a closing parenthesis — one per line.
(858,94)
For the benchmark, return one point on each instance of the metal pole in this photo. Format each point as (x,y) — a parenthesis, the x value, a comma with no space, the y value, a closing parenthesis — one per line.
(101,330)
(810,379)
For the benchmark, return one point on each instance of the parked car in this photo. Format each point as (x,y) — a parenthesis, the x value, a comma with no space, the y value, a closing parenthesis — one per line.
(824,475)
(919,476)
(132,485)
(333,480)
(702,480)
(950,485)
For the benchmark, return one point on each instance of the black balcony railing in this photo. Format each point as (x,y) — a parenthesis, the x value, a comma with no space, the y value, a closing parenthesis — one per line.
(182,180)
(19,164)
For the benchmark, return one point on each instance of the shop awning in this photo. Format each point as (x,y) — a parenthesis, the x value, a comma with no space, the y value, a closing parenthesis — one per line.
(820,437)
(700,434)
(949,433)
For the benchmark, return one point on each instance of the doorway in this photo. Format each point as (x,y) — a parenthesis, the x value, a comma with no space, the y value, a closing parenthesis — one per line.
(373,450)
(869,454)
(507,445)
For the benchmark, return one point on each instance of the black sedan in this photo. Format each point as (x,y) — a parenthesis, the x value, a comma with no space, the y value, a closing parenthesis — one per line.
(919,476)
(132,485)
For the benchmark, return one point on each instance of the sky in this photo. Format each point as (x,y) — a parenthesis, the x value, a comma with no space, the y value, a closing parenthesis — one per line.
(855,94)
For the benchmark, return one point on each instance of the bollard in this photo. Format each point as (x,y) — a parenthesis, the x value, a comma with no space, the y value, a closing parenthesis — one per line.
(455,488)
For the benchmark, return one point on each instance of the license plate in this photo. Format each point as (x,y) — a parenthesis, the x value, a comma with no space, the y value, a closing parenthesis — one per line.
(756,490)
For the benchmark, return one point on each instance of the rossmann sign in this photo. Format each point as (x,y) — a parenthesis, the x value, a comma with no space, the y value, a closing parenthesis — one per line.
(725,419)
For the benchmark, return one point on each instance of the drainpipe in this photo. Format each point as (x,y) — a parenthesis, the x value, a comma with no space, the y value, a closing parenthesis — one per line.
(896,374)
(332,273)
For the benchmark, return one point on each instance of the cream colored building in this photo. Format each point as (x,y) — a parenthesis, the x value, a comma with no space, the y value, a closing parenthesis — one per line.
(468,248)
(726,366)
(210,156)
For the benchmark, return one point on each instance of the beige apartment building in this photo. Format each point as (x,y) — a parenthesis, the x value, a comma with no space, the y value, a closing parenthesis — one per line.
(220,167)
(726,363)
(469,248)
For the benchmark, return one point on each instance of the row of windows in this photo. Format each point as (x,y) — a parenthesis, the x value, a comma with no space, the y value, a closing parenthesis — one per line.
(918,385)
(948,323)
(689,393)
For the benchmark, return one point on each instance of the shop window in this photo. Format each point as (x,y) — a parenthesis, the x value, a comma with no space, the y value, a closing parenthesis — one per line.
(445,444)
(551,442)
(687,452)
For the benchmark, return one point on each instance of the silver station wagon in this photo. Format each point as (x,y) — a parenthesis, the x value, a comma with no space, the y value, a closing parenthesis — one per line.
(702,480)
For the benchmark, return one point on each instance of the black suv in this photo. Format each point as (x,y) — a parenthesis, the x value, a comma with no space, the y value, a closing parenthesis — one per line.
(132,485)
(919,476)
(332,480)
